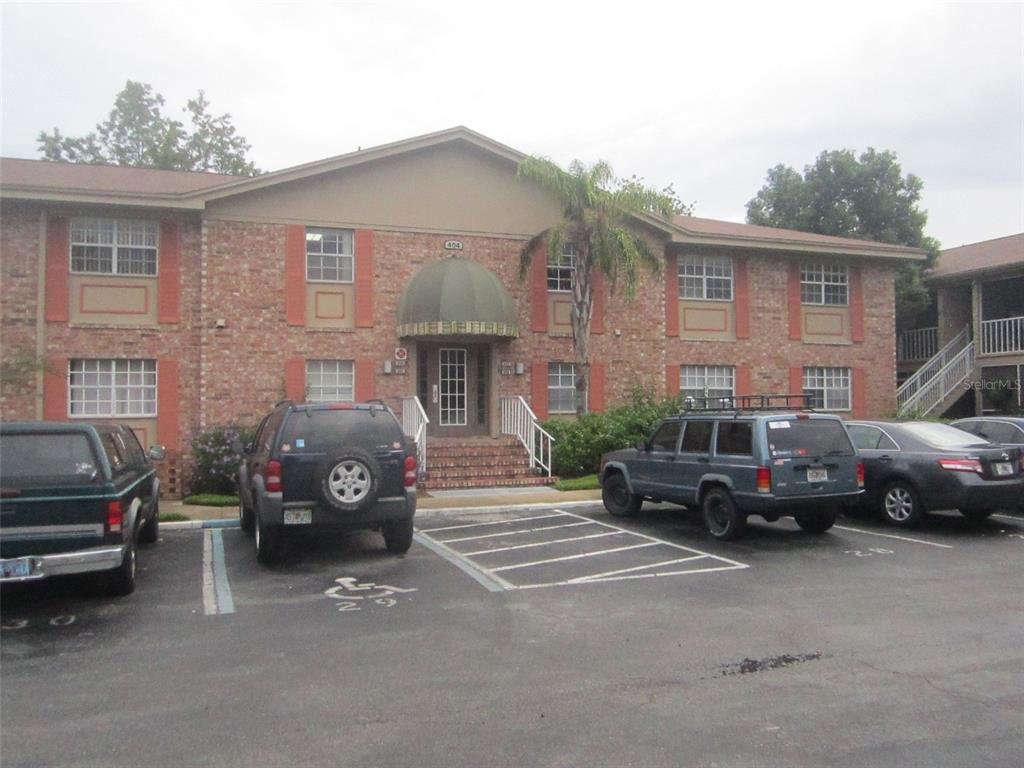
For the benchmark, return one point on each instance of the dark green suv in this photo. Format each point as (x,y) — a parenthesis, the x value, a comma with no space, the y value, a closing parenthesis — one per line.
(734,462)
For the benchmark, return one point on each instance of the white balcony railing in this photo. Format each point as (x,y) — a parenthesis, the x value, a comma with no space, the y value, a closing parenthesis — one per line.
(1002,336)
(908,389)
(918,344)
(414,424)
(518,419)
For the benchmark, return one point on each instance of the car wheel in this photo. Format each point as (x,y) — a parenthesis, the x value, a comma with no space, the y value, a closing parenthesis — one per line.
(398,536)
(976,515)
(350,481)
(245,516)
(267,541)
(150,531)
(816,521)
(617,498)
(721,517)
(900,504)
(121,580)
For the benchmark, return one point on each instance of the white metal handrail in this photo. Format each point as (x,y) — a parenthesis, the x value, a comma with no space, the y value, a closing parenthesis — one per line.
(938,387)
(918,344)
(414,424)
(909,388)
(1001,336)
(519,420)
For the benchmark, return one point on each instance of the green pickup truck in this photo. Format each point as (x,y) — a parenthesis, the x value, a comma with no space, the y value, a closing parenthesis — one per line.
(75,498)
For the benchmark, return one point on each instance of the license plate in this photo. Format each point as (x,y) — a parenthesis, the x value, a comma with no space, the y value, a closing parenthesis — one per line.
(1003,468)
(817,475)
(16,568)
(298,516)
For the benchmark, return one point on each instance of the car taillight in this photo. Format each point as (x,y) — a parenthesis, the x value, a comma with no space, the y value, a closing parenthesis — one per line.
(410,471)
(273,477)
(115,516)
(764,479)
(860,474)
(961,465)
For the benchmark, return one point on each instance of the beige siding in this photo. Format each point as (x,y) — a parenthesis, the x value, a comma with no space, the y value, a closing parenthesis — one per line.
(707,320)
(825,324)
(113,300)
(330,305)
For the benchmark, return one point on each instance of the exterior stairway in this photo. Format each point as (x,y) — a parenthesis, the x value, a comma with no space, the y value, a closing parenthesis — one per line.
(479,462)
(938,383)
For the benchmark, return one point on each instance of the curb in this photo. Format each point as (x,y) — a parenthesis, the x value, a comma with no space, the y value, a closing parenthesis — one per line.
(186,525)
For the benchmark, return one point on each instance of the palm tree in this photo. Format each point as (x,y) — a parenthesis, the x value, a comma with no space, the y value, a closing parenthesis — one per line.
(599,216)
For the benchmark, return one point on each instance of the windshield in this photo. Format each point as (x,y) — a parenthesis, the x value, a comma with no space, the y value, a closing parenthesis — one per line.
(943,435)
(808,437)
(50,458)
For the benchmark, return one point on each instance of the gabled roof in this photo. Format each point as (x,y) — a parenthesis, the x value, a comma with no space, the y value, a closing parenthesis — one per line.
(996,254)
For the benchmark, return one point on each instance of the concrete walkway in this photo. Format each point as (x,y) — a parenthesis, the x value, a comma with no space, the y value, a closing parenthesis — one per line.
(479,497)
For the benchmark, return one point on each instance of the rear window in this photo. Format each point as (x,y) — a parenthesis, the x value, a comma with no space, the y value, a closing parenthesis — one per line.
(47,458)
(943,435)
(320,431)
(808,437)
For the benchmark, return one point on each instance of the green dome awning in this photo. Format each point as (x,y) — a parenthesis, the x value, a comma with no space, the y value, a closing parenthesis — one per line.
(456,297)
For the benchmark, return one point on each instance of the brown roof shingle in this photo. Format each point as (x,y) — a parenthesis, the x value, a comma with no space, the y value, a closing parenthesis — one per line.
(45,175)
(979,257)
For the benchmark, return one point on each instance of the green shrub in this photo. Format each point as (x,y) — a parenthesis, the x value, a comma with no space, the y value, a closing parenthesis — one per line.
(579,443)
(211,500)
(216,462)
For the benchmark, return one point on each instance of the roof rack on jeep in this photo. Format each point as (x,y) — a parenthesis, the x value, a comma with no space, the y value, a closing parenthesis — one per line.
(765,402)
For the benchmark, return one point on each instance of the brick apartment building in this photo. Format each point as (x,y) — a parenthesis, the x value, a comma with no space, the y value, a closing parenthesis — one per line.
(179,301)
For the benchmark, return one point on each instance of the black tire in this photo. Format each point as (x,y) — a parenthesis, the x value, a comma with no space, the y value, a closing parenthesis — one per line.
(900,504)
(397,536)
(617,498)
(150,531)
(121,580)
(816,521)
(976,515)
(349,481)
(245,516)
(721,517)
(268,541)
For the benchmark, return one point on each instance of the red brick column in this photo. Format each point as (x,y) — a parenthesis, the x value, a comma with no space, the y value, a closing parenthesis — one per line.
(168,290)
(295,379)
(539,292)
(671,380)
(167,403)
(57,268)
(539,388)
(597,309)
(793,301)
(856,305)
(595,393)
(295,274)
(365,371)
(859,404)
(364,278)
(672,299)
(742,297)
(55,389)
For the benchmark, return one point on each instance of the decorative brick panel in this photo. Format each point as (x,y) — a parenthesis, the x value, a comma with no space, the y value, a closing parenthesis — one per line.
(169,281)
(55,389)
(859,406)
(168,393)
(671,296)
(57,269)
(743,380)
(539,290)
(595,393)
(539,388)
(295,379)
(597,308)
(295,274)
(364,278)
(856,305)
(365,373)
(671,380)
(742,298)
(793,301)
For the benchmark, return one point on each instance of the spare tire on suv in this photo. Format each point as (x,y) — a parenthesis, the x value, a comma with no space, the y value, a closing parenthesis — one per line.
(348,481)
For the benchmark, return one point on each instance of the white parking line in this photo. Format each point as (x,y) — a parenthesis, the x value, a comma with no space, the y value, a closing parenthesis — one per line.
(894,536)
(542,543)
(573,557)
(597,576)
(510,533)
(490,522)
(216,589)
(1018,518)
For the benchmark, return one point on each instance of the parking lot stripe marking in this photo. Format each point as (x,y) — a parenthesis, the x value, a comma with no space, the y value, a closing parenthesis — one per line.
(636,568)
(893,536)
(573,557)
(482,576)
(509,533)
(541,543)
(692,571)
(660,541)
(1018,518)
(209,595)
(225,603)
(558,513)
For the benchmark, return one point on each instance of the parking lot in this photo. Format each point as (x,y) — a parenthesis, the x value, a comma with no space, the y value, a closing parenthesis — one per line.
(543,636)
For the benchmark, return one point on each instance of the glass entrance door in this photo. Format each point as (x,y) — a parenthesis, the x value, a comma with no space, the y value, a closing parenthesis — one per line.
(451,381)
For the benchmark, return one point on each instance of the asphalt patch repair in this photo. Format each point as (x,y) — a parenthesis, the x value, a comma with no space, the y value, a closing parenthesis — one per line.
(749,666)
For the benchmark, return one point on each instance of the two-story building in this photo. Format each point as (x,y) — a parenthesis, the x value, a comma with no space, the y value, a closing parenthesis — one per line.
(967,358)
(178,301)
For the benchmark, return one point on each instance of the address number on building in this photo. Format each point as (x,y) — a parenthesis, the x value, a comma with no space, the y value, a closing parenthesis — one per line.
(453,245)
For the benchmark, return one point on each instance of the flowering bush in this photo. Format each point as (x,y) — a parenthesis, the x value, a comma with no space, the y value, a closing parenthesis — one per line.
(215,459)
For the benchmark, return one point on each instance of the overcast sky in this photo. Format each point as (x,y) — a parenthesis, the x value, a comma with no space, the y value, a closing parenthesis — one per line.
(705,98)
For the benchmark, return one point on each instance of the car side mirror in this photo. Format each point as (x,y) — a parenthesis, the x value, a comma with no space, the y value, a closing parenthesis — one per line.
(157,452)
(248,448)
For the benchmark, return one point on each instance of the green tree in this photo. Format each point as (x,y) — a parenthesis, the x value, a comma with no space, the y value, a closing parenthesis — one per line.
(598,222)
(846,196)
(139,134)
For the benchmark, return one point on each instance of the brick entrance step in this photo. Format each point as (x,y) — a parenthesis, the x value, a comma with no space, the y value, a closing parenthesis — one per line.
(479,462)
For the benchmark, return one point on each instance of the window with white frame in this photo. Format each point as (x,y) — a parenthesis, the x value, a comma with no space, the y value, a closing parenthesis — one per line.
(561,268)
(562,388)
(114,246)
(824,284)
(107,387)
(330,255)
(707,381)
(827,388)
(705,277)
(330,381)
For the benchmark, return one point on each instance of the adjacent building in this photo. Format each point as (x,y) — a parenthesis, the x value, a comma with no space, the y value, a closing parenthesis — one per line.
(178,301)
